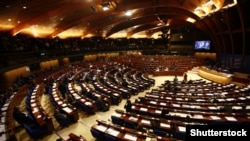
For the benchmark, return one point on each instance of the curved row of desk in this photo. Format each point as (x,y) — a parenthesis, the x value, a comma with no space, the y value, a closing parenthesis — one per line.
(190,104)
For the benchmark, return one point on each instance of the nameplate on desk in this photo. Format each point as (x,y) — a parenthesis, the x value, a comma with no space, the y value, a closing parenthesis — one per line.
(133,118)
(158,111)
(2,127)
(151,139)
(231,118)
(198,116)
(116,114)
(113,132)
(165,125)
(88,103)
(67,109)
(180,94)
(224,93)
(152,102)
(3,137)
(76,96)
(33,105)
(130,136)
(155,96)
(35,110)
(242,98)
(195,106)
(212,108)
(32,100)
(209,94)
(60,102)
(179,99)
(220,100)
(181,114)
(200,100)
(163,104)
(133,107)
(186,106)
(6,104)
(247,107)
(3,119)
(64,105)
(82,100)
(38,116)
(182,129)
(169,98)
(4,108)
(230,99)
(176,105)
(101,128)
(116,94)
(145,121)
(215,117)
(236,107)
(143,109)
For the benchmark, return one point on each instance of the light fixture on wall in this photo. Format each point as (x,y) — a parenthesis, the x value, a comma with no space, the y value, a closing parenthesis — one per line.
(105,6)
(128,13)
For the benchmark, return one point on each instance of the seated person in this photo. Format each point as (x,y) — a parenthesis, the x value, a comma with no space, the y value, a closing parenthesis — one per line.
(164,113)
(61,118)
(20,116)
(141,128)
(102,104)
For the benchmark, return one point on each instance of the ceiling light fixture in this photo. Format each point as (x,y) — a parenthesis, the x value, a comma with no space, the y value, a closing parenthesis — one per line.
(210,7)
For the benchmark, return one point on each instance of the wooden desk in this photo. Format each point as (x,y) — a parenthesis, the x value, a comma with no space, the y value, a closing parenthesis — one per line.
(123,133)
(63,105)
(197,116)
(215,76)
(74,137)
(15,100)
(170,72)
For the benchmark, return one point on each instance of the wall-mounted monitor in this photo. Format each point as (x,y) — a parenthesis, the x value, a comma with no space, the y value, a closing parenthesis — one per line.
(42,53)
(202,45)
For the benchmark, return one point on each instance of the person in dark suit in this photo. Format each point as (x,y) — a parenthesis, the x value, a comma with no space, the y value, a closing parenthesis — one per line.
(185,78)
(61,118)
(175,79)
(128,106)
(102,104)
(20,116)
(164,113)
(63,90)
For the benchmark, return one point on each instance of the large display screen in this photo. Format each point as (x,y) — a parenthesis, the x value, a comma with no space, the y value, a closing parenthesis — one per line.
(202,45)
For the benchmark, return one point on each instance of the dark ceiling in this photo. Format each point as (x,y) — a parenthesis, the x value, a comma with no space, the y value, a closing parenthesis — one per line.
(86,18)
